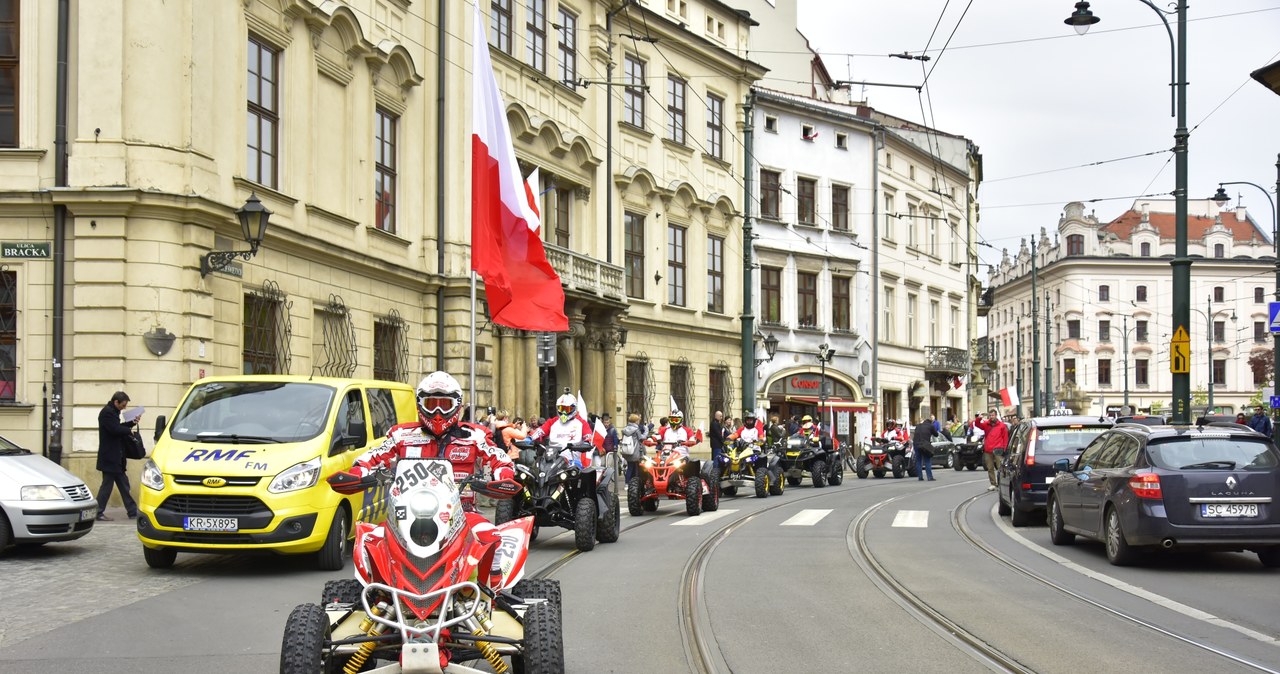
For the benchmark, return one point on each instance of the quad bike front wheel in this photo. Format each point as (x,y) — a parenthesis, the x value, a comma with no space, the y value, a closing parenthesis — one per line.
(610,524)
(711,497)
(762,484)
(818,472)
(729,491)
(345,591)
(635,491)
(693,496)
(505,510)
(543,651)
(898,464)
(861,468)
(302,650)
(775,483)
(837,476)
(584,524)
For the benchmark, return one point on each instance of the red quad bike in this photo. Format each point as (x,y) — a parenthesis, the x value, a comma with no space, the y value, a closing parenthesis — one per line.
(435,587)
(671,475)
(883,455)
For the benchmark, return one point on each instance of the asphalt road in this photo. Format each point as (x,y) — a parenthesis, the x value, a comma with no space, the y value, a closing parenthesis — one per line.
(778,584)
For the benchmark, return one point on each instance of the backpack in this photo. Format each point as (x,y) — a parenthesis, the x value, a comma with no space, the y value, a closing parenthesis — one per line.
(629,446)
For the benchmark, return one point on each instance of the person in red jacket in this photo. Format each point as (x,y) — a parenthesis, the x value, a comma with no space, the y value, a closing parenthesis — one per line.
(996,439)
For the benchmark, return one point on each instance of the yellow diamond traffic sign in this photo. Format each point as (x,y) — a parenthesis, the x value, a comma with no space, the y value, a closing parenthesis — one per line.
(1180,352)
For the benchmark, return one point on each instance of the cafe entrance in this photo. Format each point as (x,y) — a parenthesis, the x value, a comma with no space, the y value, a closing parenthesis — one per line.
(844,412)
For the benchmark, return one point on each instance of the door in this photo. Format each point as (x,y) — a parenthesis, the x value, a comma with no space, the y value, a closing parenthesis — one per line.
(1093,487)
(1007,467)
(1068,488)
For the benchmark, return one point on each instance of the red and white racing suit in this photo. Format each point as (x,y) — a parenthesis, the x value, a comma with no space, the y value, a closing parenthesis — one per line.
(465,446)
(750,434)
(561,434)
(681,436)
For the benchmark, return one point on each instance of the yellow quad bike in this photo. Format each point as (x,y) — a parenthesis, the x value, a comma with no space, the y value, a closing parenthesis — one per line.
(745,464)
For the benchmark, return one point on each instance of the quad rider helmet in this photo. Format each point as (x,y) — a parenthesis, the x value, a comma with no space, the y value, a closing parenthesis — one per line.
(439,401)
(566,407)
(675,418)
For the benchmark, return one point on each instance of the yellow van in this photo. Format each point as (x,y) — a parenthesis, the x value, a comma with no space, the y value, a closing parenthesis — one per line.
(242,466)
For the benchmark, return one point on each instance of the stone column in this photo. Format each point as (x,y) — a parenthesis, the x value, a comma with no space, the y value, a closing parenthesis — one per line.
(609,376)
(529,371)
(507,371)
(592,373)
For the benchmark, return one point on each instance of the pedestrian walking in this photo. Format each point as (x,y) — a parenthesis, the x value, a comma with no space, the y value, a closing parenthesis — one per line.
(610,433)
(718,435)
(922,440)
(113,434)
(1260,422)
(631,444)
(994,442)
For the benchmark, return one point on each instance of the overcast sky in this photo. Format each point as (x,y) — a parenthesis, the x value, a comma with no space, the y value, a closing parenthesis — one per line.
(1035,97)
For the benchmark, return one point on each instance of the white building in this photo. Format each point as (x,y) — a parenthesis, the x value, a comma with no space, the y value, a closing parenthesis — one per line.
(1109,291)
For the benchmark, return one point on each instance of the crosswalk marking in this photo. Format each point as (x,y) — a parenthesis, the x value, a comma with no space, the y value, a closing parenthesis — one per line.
(911,518)
(806,518)
(702,519)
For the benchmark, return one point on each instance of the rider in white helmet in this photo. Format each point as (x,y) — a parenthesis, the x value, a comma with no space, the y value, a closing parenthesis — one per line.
(677,433)
(565,429)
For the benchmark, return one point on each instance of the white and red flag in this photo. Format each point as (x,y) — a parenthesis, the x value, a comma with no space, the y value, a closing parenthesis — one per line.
(1009,396)
(506,250)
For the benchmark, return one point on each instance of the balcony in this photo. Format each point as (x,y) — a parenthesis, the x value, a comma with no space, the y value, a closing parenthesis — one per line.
(585,274)
(984,302)
(945,361)
(983,351)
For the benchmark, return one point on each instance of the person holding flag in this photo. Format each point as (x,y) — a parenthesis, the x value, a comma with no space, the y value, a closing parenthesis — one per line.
(567,428)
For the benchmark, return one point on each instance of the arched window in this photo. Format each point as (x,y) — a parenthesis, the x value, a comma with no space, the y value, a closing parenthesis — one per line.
(1219,250)
(1146,249)
(1075,244)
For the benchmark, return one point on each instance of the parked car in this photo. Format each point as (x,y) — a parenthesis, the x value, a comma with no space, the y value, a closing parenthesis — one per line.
(1025,472)
(40,501)
(1144,419)
(1160,487)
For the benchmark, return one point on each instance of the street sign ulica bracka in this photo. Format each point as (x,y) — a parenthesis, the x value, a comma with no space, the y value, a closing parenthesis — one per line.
(25,249)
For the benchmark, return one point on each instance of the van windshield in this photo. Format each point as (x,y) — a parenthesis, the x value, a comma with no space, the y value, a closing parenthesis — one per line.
(253,411)
(1213,453)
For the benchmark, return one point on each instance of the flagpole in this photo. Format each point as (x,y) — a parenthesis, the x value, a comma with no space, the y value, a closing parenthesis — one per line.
(472,397)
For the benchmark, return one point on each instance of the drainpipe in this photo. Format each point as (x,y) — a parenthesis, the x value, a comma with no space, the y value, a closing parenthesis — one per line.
(748,318)
(59,235)
(441,36)
(877,142)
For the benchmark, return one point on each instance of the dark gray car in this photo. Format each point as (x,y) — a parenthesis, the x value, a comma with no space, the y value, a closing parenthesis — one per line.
(1152,487)
(40,501)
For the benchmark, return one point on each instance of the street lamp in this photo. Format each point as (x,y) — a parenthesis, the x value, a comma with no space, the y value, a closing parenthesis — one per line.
(1221,199)
(825,354)
(770,348)
(254,218)
(1081,20)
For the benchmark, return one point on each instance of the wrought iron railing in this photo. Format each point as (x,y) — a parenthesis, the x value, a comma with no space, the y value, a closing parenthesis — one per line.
(983,351)
(584,273)
(946,359)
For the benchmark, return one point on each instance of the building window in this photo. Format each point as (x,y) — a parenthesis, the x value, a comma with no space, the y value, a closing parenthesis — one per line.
(678,7)
(840,208)
(807,299)
(1069,370)
(1140,331)
(1075,244)
(633,260)
(676,89)
(841,300)
(1104,293)
(842,141)
(536,35)
(264,113)
(675,265)
(639,388)
(8,335)
(1140,372)
(385,180)
(932,224)
(633,93)
(911,225)
(1073,329)
(1104,372)
(560,213)
(806,188)
(1219,293)
(955,325)
(1145,247)
(911,172)
(266,331)
(1140,294)
(9,35)
(390,348)
(807,132)
(1259,331)
(715,126)
(1104,331)
(771,124)
(568,45)
(1219,331)
(955,243)
(770,181)
(888,312)
(911,319)
(889,216)
(771,295)
(715,274)
(1259,295)
(681,389)
(720,393)
(1219,250)
(1219,373)
(501,17)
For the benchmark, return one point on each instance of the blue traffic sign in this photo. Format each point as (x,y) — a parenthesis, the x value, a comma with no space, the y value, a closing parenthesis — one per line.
(1273,316)
(1275,402)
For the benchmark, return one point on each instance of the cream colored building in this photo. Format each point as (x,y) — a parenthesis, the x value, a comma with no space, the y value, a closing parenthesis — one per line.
(355,139)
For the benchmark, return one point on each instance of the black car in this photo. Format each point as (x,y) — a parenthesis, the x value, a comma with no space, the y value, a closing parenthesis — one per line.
(1025,472)
(1144,419)
(1151,487)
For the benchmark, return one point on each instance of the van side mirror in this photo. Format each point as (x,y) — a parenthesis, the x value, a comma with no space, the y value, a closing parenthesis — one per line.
(1062,465)
(160,426)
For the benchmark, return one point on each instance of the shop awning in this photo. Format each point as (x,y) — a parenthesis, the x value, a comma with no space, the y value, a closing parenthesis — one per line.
(834,403)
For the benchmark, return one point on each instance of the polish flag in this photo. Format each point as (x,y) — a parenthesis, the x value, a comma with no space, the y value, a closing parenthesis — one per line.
(522,288)
(956,382)
(597,433)
(1009,396)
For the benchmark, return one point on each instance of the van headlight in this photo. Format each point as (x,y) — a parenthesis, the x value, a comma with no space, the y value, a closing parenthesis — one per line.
(151,476)
(40,492)
(296,477)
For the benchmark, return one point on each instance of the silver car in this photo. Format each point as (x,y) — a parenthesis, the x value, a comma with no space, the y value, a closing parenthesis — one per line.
(39,500)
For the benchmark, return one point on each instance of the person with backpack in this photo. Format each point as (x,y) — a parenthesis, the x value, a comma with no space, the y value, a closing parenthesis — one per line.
(631,444)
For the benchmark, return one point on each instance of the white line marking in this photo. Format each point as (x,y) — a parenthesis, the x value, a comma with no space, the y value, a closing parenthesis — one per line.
(1134,590)
(704,518)
(918,519)
(806,518)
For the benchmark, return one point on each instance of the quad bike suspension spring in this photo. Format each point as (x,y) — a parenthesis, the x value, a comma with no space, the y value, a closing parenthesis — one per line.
(371,628)
(486,649)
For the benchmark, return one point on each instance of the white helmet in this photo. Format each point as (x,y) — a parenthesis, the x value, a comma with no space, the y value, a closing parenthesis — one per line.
(566,407)
(439,401)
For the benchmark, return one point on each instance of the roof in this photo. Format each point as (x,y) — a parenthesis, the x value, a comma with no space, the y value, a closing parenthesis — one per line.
(1197,225)
(1069,420)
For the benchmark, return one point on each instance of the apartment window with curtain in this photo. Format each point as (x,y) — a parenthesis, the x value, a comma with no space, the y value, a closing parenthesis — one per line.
(955,326)
(1073,329)
(264,113)
(535,37)
(633,94)
(385,171)
(911,226)
(1140,294)
(557,214)
(1219,331)
(676,92)
(715,274)
(840,208)
(770,182)
(1219,293)
(9,40)
(841,301)
(1075,244)
(715,126)
(887,314)
(1104,372)
(1259,331)
(1140,331)
(567,46)
(1259,295)
(932,224)
(889,217)
(633,256)
(1219,373)
(955,244)
(675,264)
(934,310)
(1069,370)
(911,319)
(1104,293)
(806,188)
(1104,331)
(1141,372)
(500,35)
(771,295)
(807,299)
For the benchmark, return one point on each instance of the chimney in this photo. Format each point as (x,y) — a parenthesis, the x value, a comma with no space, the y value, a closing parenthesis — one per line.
(1242,215)
(1146,215)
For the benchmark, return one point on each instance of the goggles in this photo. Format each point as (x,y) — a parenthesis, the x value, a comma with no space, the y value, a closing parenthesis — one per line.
(565,409)
(438,404)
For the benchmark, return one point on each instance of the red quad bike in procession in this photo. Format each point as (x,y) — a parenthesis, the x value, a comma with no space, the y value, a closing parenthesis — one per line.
(435,587)
(883,455)
(672,475)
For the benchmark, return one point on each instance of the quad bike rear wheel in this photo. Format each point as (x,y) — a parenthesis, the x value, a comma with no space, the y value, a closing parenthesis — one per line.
(897,464)
(775,483)
(635,491)
(794,481)
(762,484)
(693,496)
(345,591)
(818,472)
(610,524)
(584,524)
(729,491)
(711,497)
(861,468)
(837,475)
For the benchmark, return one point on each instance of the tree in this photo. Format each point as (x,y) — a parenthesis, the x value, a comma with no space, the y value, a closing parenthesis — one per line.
(1262,363)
